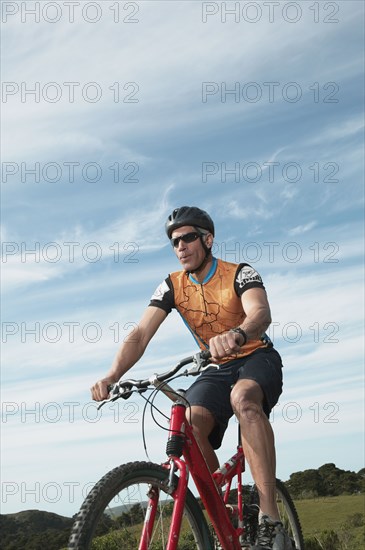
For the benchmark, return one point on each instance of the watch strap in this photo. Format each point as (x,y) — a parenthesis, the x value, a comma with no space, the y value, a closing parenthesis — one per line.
(240,331)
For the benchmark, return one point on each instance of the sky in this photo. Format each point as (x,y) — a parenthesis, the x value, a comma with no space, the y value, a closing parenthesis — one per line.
(115,113)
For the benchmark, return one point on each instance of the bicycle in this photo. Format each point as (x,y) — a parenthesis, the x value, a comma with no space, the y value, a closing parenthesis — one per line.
(149,506)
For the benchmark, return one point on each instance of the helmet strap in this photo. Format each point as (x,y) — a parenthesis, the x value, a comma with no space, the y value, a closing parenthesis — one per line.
(208,254)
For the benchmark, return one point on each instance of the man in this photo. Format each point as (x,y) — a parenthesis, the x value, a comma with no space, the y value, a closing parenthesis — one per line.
(225,307)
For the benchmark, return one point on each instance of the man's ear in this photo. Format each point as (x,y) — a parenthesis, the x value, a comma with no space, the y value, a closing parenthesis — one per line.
(209,240)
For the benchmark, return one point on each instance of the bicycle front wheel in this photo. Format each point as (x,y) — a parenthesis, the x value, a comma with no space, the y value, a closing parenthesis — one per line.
(112,515)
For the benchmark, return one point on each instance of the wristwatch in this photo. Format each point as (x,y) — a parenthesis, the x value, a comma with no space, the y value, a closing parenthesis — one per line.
(240,331)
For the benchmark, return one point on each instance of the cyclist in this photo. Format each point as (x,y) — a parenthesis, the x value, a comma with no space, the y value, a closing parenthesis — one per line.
(225,307)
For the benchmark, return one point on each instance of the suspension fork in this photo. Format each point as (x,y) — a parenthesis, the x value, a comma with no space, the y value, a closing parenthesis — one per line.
(149,520)
(174,450)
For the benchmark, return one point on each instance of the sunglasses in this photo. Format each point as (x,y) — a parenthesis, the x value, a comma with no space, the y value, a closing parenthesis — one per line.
(187,238)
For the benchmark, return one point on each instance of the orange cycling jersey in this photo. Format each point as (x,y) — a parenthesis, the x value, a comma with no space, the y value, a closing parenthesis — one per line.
(213,306)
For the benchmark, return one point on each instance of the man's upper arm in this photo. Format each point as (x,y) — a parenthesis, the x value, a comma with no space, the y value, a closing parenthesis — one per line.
(255,300)
(250,288)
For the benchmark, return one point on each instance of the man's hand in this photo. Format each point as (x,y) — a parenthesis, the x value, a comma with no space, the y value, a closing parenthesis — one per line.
(99,391)
(225,344)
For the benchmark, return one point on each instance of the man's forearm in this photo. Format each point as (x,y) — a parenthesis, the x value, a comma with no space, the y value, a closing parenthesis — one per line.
(256,323)
(127,356)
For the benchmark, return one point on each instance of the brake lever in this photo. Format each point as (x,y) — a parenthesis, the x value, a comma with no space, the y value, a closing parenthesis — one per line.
(200,364)
(115,393)
(113,390)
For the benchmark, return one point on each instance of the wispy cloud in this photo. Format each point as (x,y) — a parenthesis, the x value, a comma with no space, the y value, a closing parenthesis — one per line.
(302,228)
(347,128)
(77,248)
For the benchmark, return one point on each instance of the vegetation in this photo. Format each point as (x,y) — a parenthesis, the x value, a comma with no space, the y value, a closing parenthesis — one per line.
(329,501)
(34,530)
(328,480)
(333,523)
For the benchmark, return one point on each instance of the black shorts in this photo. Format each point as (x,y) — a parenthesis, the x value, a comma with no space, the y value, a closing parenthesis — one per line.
(212,389)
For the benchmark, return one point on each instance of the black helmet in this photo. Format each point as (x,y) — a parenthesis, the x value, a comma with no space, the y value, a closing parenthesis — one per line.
(189,215)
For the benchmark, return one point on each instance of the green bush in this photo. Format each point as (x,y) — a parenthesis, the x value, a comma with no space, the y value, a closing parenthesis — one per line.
(343,539)
(356,520)
(114,540)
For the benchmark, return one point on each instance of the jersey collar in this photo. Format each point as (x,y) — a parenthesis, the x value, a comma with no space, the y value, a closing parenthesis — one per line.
(208,276)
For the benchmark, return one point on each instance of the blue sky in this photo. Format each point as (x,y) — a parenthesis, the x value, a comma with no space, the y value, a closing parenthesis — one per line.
(293,208)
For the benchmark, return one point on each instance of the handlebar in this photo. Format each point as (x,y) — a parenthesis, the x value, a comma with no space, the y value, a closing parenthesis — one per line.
(125,388)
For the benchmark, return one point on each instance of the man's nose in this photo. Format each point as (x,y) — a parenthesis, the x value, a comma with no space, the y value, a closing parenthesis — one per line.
(181,245)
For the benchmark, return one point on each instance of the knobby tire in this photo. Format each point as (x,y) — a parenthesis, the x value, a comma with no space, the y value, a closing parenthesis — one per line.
(101,525)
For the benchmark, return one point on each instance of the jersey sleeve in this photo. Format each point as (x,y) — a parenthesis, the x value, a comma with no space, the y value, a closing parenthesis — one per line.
(163,297)
(246,277)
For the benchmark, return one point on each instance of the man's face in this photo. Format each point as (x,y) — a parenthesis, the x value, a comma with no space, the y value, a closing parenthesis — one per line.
(190,255)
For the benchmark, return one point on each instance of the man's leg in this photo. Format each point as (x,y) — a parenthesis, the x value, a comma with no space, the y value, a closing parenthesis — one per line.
(203,423)
(257,441)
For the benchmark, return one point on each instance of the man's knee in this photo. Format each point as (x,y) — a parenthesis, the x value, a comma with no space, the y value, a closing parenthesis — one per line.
(201,420)
(247,399)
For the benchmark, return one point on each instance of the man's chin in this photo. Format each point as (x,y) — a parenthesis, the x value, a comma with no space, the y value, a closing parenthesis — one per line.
(187,266)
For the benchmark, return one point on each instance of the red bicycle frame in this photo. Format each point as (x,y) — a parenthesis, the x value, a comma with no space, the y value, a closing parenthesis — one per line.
(206,483)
